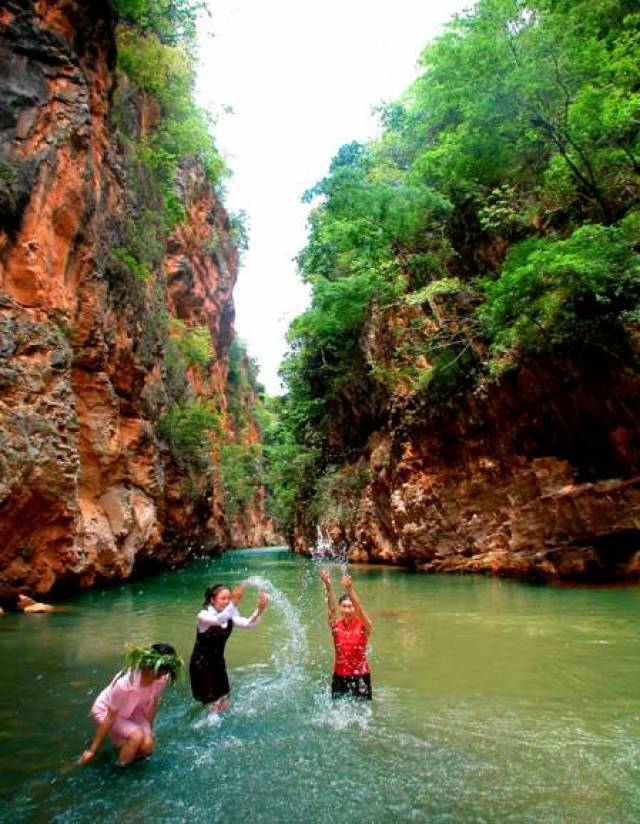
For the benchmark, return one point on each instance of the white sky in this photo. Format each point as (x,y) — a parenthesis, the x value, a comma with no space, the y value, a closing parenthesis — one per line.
(302,77)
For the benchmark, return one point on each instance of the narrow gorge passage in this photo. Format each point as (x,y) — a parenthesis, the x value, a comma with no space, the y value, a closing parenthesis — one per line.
(458,391)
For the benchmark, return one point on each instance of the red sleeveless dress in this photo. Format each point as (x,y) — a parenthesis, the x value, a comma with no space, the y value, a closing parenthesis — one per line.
(351,673)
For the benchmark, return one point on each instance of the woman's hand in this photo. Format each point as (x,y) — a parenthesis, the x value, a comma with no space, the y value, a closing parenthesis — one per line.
(263,600)
(86,757)
(237,593)
(324,577)
(347,582)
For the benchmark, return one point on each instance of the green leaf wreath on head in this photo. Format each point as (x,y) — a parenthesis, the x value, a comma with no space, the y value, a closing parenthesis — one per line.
(159,658)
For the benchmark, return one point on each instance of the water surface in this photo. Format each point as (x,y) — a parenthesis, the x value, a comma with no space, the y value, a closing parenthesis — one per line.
(494,701)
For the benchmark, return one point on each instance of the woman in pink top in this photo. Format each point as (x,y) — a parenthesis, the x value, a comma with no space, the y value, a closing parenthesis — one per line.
(351,673)
(125,710)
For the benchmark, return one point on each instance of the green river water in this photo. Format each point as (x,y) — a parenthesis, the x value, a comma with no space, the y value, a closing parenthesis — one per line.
(494,701)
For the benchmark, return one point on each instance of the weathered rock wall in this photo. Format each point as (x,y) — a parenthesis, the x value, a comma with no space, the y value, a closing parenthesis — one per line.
(87,490)
(536,475)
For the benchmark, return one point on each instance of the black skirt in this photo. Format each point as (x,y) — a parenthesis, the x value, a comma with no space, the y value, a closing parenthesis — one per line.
(207,668)
(351,686)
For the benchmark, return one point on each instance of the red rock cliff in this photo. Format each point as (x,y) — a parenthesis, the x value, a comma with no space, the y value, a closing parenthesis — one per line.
(88,490)
(534,475)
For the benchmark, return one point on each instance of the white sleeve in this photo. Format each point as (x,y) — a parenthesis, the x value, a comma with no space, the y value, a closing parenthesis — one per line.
(245,623)
(210,618)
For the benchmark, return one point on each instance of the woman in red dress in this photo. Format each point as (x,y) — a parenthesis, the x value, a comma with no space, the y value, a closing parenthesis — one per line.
(351,673)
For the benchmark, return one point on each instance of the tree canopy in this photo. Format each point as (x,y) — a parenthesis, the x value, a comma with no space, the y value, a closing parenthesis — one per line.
(495,216)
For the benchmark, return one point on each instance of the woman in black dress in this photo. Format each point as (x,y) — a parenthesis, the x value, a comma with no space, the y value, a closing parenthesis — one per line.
(208,670)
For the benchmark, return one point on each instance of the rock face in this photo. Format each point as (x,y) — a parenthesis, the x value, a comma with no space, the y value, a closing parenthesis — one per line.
(87,489)
(537,475)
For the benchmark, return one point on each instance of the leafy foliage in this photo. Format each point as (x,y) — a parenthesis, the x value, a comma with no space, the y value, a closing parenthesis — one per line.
(337,493)
(553,290)
(158,153)
(193,343)
(241,472)
(495,216)
(131,263)
(183,133)
(172,21)
(154,658)
(288,465)
(187,428)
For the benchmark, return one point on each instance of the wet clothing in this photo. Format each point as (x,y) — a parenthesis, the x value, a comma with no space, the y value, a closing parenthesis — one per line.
(207,668)
(351,673)
(209,616)
(122,728)
(356,686)
(350,641)
(134,703)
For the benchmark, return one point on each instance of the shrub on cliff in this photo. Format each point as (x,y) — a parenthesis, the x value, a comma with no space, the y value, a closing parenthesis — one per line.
(172,21)
(241,471)
(156,63)
(551,291)
(186,428)
(338,493)
(243,390)
(156,54)
(194,343)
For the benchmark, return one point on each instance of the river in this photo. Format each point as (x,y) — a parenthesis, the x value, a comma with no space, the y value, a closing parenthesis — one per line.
(494,701)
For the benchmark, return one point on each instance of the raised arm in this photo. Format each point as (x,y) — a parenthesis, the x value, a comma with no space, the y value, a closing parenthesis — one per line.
(101,734)
(256,616)
(331,598)
(347,583)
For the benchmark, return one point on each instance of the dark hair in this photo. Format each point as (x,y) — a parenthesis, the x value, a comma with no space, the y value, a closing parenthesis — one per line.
(172,666)
(345,597)
(160,659)
(164,649)
(211,592)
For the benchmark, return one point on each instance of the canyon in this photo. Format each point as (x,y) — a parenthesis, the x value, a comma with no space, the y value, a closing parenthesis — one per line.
(89,492)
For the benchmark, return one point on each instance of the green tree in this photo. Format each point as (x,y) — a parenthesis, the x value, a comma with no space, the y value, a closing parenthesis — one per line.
(495,216)
(187,428)
(172,21)
(553,291)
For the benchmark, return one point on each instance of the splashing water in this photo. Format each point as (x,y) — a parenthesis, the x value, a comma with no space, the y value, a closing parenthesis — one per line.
(341,715)
(288,659)
(326,548)
(208,720)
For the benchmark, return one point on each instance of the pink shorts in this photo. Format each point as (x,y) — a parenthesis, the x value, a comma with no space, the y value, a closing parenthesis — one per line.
(122,728)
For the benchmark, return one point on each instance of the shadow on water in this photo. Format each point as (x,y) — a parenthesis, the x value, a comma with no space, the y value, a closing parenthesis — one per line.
(493,701)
